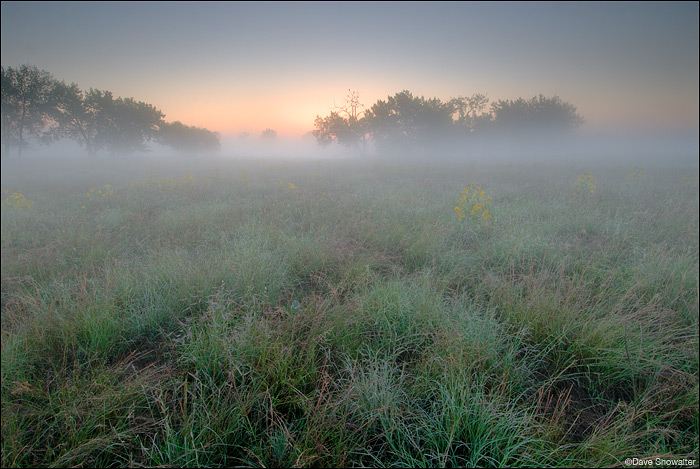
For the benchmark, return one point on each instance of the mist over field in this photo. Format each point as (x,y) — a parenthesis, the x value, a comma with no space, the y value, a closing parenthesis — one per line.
(639,148)
(445,234)
(345,311)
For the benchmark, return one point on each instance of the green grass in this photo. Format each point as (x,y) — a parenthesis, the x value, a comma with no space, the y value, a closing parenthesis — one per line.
(222,317)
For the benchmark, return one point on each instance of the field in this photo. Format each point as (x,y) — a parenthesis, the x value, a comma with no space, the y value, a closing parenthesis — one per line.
(345,313)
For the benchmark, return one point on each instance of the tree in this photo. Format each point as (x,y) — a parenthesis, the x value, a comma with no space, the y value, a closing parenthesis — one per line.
(25,100)
(134,123)
(404,122)
(186,139)
(268,134)
(538,115)
(407,123)
(471,113)
(82,116)
(346,125)
(98,121)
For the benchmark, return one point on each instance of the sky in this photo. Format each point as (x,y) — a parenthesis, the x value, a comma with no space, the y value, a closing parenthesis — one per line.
(244,67)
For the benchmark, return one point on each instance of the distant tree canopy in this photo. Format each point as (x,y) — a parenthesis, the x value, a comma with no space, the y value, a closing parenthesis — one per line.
(188,140)
(25,103)
(471,114)
(268,134)
(80,116)
(35,103)
(346,124)
(133,123)
(404,122)
(539,114)
(97,120)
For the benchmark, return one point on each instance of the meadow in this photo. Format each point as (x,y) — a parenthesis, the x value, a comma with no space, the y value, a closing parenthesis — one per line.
(347,314)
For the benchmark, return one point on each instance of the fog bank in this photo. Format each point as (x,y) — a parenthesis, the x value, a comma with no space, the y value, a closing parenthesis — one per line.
(679,149)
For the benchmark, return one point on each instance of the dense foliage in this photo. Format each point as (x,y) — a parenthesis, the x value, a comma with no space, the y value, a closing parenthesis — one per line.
(405,123)
(34,103)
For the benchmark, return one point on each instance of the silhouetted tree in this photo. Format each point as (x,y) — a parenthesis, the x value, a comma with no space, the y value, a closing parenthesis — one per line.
(134,123)
(98,121)
(268,134)
(404,122)
(188,140)
(82,116)
(346,125)
(25,100)
(471,113)
(539,115)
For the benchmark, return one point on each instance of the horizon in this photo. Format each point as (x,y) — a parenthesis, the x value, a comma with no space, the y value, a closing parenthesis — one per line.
(245,67)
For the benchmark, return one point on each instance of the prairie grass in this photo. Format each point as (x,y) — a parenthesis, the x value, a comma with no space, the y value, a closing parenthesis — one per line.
(338,313)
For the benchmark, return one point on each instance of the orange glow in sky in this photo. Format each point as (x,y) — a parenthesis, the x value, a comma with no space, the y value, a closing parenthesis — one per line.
(247,66)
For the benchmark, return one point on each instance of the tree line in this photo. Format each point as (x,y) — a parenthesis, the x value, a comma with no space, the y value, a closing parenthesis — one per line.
(37,105)
(406,123)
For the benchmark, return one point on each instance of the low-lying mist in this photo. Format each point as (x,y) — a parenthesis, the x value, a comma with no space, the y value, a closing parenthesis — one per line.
(446,293)
(631,148)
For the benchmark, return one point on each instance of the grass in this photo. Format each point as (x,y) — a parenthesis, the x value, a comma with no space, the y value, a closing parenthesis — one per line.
(339,313)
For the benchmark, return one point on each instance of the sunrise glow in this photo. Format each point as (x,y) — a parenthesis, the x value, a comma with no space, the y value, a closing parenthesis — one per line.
(245,67)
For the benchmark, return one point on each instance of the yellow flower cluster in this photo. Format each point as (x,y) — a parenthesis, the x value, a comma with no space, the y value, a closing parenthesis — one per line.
(106,193)
(17,200)
(690,180)
(292,186)
(244,175)
(188,179)
(473,203)
(585,184)
(636,174)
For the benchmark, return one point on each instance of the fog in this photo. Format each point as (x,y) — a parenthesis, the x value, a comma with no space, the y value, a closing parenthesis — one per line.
(669,149)
(500,68)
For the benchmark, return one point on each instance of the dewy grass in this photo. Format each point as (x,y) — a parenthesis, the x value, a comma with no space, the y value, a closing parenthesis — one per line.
(346,317)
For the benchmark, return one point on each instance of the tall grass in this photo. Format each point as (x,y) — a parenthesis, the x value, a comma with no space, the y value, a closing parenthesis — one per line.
(338,313)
